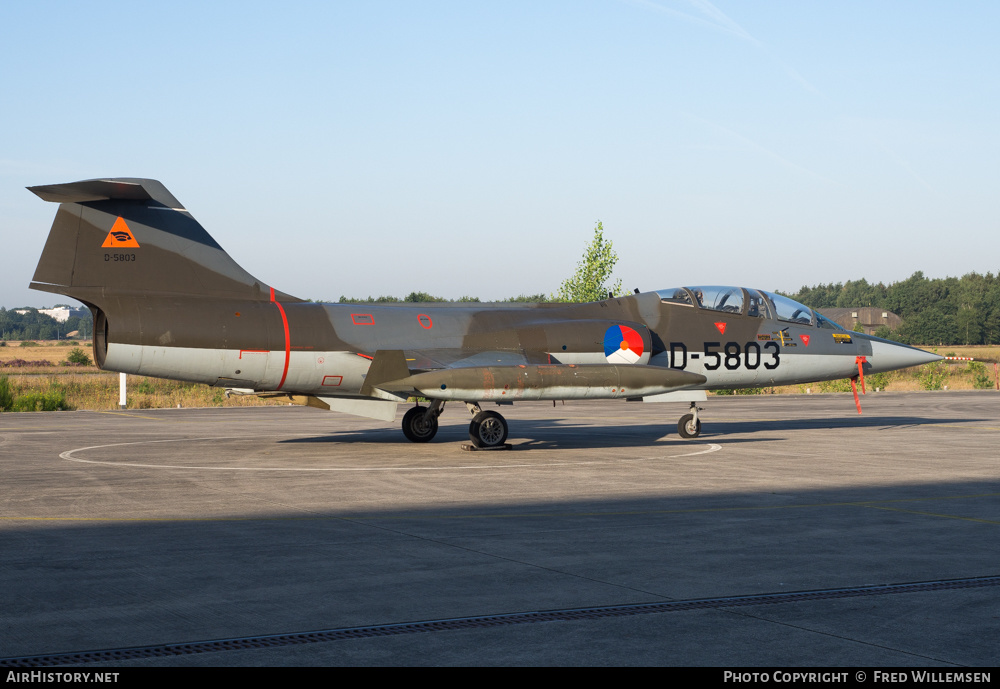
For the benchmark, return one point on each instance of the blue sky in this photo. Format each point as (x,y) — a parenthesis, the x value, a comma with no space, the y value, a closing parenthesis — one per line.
(470,147)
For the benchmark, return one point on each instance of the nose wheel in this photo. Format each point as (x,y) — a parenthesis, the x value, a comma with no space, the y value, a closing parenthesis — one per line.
(690,425)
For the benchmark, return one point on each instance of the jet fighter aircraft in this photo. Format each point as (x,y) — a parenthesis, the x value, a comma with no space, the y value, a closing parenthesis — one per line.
(169,302)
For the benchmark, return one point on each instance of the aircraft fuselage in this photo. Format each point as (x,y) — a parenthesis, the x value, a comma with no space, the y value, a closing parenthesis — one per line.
(168,301)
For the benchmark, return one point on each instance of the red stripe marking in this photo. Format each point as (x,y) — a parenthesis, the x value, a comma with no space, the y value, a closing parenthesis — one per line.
(365,356)
(288,342)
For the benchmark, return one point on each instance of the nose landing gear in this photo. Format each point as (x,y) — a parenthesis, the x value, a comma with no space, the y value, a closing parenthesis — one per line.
(690,425)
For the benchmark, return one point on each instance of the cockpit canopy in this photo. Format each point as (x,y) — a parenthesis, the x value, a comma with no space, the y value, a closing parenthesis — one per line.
(747,302)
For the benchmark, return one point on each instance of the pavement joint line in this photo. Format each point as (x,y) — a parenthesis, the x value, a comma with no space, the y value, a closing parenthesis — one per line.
(840,637)
(874,504)
(131,416)
(933,514)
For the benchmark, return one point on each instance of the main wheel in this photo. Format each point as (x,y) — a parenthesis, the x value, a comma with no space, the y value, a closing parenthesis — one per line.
(488,429)
(687,427)
(415,428)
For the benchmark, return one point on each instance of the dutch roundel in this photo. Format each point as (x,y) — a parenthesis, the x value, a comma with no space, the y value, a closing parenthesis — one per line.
(622,345)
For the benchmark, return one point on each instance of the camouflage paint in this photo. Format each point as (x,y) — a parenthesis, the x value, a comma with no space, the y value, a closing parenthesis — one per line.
(168,301)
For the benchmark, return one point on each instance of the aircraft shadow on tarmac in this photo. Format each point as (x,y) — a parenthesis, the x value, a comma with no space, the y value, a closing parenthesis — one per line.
(562,434)
(152,580)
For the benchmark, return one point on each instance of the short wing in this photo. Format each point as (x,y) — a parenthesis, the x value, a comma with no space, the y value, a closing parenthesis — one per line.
(433,359)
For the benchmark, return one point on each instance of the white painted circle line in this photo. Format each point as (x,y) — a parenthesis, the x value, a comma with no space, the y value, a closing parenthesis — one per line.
(68,455)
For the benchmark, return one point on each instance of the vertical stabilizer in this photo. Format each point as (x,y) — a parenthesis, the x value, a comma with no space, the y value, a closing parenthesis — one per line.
(129,236)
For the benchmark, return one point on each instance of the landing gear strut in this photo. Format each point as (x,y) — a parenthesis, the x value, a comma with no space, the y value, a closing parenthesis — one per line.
(420,424)
(690,425)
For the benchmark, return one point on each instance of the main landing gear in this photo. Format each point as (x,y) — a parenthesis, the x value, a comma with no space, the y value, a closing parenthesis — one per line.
(690,426)
(420,424)
(487,431)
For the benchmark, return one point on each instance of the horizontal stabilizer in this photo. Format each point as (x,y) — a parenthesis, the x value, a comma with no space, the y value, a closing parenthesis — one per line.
(122,189)
(547,382)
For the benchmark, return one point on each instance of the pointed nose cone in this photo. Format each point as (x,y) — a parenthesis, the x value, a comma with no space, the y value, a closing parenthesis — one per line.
(888,356)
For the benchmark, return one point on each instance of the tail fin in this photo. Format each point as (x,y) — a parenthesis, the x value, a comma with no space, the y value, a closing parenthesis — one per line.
(129,236)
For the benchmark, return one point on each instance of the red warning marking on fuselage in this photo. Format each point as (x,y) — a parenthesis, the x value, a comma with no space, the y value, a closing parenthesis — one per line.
(721,327)
(120,236)
(332,381)
(362,319)
(253,351)
(805,340)
(425,321)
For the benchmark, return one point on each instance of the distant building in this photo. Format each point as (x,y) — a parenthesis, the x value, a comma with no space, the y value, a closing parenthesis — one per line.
(871,318)
(60,313)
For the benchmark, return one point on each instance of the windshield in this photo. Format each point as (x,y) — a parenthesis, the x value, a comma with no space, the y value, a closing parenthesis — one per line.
(675,295)
(789,310)
(751,302)
(824,322)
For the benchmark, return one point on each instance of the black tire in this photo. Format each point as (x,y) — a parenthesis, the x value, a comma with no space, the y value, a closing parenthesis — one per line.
(488,429)
(688,428)
(416,429)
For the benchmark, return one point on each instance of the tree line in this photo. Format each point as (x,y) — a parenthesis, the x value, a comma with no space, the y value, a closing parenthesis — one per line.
(944,311)
(33,325)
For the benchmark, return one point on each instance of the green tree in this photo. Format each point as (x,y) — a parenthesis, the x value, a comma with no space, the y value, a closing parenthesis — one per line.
(528,299)
(592,272)
(78,356)
(422,298)
(981,378)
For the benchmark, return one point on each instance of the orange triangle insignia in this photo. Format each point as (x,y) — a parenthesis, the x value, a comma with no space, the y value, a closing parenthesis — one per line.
(805,340)
(721,327)
(120,236)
